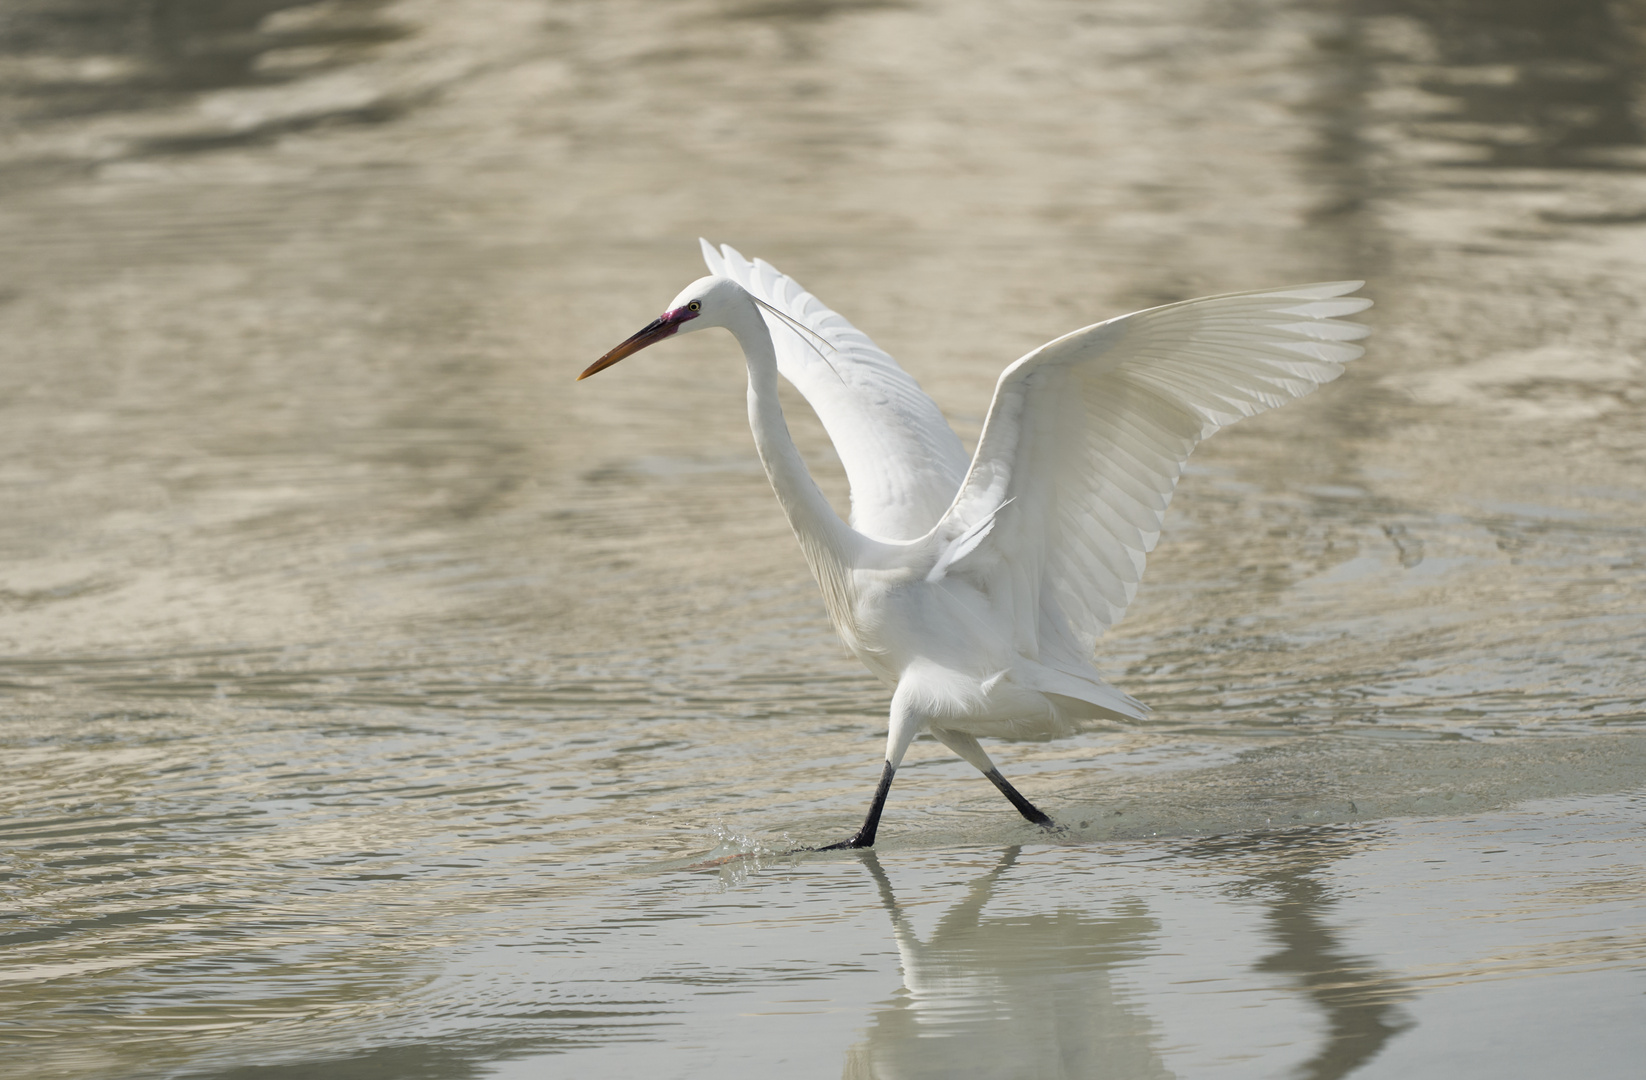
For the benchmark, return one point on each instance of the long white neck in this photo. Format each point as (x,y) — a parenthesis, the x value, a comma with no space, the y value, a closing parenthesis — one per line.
(828,542)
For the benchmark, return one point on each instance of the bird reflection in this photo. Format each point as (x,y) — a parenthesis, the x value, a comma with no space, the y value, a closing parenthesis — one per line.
(1035,994)
(1028,995)
(1360,1000)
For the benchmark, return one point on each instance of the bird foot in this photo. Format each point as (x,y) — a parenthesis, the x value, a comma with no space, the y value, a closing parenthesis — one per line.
(856,840)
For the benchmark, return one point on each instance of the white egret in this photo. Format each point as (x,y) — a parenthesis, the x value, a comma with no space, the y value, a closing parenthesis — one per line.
(976,589)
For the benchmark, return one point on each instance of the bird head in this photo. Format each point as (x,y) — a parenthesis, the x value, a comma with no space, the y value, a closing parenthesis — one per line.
(706,302)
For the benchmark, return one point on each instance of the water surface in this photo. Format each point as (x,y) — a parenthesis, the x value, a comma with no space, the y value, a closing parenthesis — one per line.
(376,701)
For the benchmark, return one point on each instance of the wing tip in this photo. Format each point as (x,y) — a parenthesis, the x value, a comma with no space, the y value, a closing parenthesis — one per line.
(1315,290)
(711,257)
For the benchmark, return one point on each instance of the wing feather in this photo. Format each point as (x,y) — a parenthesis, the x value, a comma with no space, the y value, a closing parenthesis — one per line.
(1088,435)
(901,457)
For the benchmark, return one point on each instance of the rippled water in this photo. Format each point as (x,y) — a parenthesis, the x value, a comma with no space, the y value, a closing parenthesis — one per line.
(376,702)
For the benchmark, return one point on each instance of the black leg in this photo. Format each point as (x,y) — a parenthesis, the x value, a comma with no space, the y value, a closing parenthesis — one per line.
(864,837)
(1024,806)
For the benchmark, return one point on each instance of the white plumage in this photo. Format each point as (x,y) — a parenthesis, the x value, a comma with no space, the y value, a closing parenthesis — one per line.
(978,589)
(903,461)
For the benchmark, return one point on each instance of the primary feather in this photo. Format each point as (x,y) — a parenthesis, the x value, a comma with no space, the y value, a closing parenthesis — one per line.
(1087,436)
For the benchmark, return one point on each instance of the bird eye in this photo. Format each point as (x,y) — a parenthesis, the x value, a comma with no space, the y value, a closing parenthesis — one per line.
(694,306)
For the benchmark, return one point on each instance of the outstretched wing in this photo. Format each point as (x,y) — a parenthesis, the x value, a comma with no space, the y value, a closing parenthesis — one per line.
(903,460)
(1087,436)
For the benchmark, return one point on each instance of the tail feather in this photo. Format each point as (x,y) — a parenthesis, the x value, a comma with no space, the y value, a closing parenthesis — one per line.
(1089,688)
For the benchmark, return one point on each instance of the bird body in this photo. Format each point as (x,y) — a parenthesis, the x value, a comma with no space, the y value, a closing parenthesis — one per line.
(976,588)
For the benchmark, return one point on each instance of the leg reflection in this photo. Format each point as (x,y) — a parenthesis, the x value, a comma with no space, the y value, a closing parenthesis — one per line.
(1009,994)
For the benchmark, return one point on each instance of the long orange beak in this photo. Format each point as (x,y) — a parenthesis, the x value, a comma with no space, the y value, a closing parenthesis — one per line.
(650,334)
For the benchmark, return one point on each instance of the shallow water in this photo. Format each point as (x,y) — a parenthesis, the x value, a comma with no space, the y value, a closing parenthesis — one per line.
(378,702)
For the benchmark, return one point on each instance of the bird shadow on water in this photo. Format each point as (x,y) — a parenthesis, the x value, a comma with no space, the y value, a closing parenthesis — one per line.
(1014,993)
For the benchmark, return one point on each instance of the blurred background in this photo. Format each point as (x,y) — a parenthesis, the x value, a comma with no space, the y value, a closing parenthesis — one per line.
(373,696)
